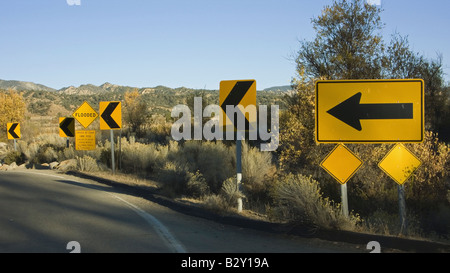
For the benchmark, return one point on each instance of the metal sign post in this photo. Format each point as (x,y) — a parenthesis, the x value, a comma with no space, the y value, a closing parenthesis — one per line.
(344,199)
(402,209)
(112,152)
(239,169)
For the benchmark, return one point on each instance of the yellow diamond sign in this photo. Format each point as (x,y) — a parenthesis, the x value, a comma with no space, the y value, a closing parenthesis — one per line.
(399,164)
(85,114)
(341,163)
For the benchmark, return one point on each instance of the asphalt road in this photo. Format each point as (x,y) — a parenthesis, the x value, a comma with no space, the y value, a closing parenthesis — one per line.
(42,211)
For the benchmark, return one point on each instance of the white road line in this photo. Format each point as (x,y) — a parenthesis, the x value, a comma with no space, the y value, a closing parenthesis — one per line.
(162,231)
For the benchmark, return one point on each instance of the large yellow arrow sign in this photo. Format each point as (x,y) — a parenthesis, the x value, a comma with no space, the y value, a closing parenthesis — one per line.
(369,111)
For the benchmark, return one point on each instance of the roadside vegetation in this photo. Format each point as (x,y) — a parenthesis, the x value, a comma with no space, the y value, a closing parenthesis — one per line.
(287,185)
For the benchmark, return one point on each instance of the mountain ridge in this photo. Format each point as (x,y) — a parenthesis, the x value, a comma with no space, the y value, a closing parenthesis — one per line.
(90,89)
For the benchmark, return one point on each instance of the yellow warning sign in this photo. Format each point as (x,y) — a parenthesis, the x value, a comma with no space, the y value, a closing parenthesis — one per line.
(239,97)
(341,163)
(85,114)
(110,115)
(399,163)
(370,111)
(84,140)
(13,130)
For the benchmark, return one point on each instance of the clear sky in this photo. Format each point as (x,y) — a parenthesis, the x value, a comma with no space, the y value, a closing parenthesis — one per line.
(191,43)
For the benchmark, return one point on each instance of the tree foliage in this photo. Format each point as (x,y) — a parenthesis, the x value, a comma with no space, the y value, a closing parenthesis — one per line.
(12,107)
(348,44)
(135,111)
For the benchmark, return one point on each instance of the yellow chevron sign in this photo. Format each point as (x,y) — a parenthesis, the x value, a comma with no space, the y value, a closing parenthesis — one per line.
(240,97)
(110,115)
(13,130)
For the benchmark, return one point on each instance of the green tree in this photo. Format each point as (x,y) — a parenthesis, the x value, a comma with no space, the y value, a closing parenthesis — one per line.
(348,44)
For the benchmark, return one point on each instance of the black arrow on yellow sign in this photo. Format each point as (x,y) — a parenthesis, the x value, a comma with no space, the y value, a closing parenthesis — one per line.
(12,132)
(106,115)
(68,127)
(234,98)
(351,111)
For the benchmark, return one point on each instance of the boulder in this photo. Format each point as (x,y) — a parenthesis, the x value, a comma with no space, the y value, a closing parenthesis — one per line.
(53,165)
(67,165)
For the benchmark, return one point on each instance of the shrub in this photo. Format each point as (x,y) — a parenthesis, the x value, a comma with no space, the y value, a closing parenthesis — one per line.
(257,173)
(14,156)
(215,161)
(196,185)
(87,164)
(298,200)
(230,191)
(217,203)
(173,179)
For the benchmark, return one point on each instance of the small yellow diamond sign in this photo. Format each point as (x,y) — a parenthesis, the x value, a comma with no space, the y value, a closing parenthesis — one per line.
(85,114)
(399,164)
(341,163)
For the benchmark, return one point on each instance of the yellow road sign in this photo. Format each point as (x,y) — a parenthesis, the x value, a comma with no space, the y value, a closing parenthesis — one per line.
(85,114)
(341,163)
(66,127)
(13,130)
(399,163)
(240,96)
(369,111)
(110,115)
(85,140)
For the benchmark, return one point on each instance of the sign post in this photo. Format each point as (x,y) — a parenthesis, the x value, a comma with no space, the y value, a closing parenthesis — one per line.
(239,169)
(237,99)
(111,119)
(402,209)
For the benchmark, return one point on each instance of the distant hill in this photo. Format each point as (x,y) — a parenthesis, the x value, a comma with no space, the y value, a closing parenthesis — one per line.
(20,85)
(279,88)
(90,89)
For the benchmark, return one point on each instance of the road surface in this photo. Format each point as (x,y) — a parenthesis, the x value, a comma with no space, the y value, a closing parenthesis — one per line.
(43,211)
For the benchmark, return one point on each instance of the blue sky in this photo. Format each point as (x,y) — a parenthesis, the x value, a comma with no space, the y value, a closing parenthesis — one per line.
(191,43)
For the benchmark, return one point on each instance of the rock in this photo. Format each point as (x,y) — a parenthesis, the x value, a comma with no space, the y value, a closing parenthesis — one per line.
(67,165)
(12,166)
(53,165)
